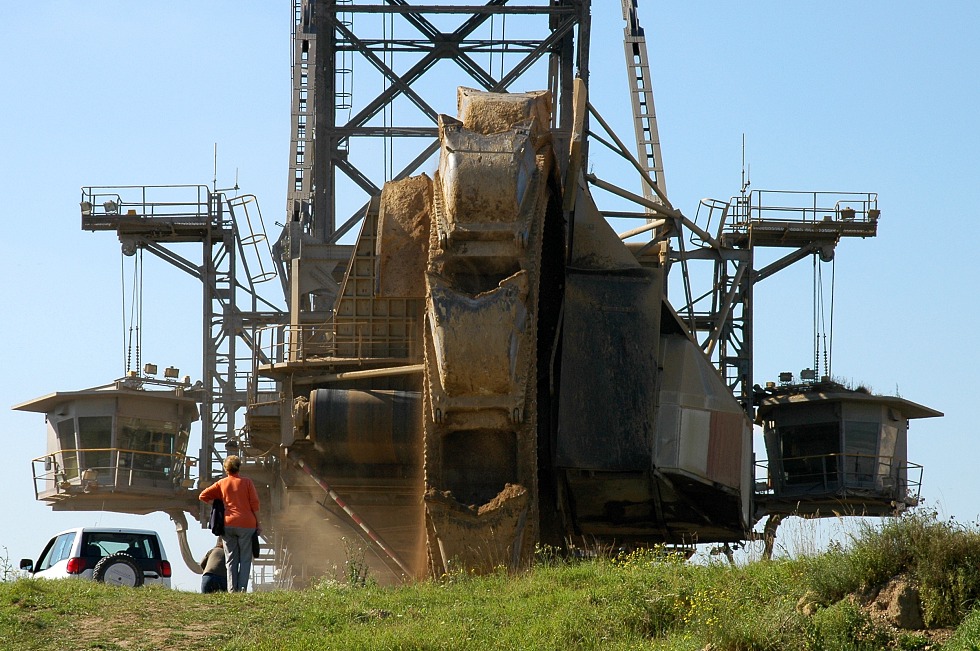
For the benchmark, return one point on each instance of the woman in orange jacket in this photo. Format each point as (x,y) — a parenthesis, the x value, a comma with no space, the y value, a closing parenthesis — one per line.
(241,521)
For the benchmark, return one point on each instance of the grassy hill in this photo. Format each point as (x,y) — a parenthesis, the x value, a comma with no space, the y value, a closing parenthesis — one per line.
(848,597)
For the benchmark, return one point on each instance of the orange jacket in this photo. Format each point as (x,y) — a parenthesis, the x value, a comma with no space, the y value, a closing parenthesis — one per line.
(241,500)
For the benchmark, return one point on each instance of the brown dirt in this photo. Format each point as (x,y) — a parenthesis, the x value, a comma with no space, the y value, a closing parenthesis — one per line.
(403,237)
(897,606)
(510,492)
(122,630)
(491,113)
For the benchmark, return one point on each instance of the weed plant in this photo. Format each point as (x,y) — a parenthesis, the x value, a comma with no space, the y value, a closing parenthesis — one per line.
(967,636)
(942,556)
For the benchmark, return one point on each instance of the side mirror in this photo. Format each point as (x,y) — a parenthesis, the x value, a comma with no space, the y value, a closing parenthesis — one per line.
(27,564)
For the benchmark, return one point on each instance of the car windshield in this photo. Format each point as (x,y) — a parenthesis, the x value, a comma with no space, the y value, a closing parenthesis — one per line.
(107,543)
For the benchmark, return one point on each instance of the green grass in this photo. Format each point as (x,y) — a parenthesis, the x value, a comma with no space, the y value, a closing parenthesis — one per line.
(643,600)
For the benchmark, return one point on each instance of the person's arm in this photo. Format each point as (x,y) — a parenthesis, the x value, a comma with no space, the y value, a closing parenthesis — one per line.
(211,493)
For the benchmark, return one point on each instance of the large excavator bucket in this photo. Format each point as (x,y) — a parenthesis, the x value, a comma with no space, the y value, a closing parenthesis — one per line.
(490,201)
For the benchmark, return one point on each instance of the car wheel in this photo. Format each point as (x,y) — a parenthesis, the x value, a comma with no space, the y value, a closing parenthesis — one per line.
(118,569)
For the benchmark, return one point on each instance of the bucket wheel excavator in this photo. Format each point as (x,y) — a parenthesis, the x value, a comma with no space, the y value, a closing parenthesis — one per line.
(486,364)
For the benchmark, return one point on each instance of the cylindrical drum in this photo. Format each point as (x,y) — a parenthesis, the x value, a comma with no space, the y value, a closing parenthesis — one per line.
(366,427)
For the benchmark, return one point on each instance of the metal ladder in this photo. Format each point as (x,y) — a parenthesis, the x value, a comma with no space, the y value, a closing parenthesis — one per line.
(641,93)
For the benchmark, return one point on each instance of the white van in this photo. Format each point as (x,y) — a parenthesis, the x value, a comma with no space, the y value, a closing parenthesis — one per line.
(130,557)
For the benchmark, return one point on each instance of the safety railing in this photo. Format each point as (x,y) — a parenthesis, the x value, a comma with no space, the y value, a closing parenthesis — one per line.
(111,469)
(712,216)
(101,205)
(252,237)
(304,343)
(804,207)
(285,343)
(890,478)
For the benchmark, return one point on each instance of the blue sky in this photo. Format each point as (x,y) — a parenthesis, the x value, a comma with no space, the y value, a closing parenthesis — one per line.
(837,96)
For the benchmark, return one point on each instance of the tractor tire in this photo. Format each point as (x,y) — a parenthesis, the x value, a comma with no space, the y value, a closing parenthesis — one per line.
(118,569)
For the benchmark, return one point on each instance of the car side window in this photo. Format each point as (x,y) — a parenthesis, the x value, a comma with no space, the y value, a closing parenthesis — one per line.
(58,551)
(139,548)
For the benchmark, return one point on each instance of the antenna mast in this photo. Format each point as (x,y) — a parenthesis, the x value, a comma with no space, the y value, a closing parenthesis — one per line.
(746,172)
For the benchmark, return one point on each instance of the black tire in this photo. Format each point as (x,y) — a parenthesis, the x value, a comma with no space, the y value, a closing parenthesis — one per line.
(118,569)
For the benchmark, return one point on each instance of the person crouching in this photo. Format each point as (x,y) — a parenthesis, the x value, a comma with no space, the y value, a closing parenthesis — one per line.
(215,578)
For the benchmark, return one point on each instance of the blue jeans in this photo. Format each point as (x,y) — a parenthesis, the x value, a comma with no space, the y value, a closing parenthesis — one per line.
(238,557)
(214,583)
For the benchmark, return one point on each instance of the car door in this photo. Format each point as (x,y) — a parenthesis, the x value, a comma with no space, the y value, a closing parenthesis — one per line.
(53,563)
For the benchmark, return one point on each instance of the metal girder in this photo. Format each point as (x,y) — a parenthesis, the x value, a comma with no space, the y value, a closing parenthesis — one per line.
(420,46)
(358,177)
(493,7)
(403,83)
(396,81)
(336,34)
(169,256)
(790,258)
(388,132)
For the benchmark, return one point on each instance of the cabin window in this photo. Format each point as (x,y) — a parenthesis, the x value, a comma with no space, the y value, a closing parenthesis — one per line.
(148,446)
(810,453)
(95,441)
(69,448)
(860,452)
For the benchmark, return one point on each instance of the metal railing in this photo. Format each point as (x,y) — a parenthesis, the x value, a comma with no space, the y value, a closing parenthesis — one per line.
(303,343)
(146,201)
(120,469)
(286,343)
(804,207)
(890,478)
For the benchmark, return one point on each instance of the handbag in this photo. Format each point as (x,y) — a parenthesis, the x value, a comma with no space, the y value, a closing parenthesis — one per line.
(255,544)
(216,523)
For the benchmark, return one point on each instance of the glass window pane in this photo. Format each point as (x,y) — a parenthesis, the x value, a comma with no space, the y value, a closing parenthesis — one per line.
(150,447)
(95,438)
(810,454)
(860,452)
(69,448)
(60,550)
(136,545)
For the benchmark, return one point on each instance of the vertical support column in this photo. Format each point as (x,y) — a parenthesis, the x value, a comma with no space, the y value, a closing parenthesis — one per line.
(736,278)
(208,470)
(325,146)
(301,155)
(222,322)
